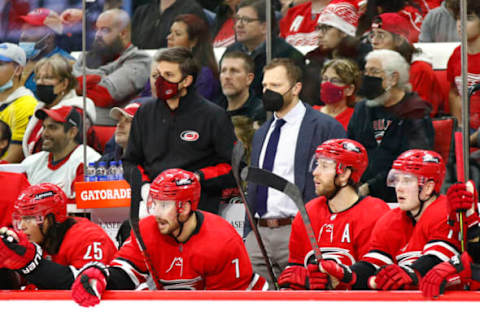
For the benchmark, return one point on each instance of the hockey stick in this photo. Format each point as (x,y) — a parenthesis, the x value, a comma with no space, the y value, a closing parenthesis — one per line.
(269,179)
(237,155)
(460,178)
(135,179)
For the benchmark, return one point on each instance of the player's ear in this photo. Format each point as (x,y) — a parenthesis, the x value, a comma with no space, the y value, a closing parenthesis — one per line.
(427,190)
(343,177)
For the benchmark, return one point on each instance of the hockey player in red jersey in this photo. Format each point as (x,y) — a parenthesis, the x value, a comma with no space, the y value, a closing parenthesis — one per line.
(46,246)
(411,239)
(461,272)
(341,220)
(189,249)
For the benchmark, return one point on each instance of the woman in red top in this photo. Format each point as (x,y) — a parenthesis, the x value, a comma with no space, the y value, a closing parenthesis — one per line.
(340,80)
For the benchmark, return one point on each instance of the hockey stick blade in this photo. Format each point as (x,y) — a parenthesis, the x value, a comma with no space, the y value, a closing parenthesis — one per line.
(269,179)
(237,156)
(135,179)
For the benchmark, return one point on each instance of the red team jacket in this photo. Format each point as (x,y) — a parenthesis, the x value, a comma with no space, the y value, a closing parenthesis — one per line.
(214,258)
(84,242)
(398,239)
(342,236)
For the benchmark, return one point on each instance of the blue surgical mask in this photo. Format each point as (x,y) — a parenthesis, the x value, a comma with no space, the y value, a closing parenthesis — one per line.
(29,48)
(6,86)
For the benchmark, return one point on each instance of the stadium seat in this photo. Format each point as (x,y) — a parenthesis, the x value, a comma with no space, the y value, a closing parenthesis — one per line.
(445,128)
(103,134)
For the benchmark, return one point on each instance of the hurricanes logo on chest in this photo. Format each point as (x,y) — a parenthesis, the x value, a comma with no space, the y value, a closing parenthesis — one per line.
(176,262)
(189,136)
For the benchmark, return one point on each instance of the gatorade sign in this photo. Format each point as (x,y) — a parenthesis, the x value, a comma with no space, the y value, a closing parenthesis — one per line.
(102,194)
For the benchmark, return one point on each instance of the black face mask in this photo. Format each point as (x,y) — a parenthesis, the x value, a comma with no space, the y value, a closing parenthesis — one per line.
(272,101)
(45,93)
(371,87)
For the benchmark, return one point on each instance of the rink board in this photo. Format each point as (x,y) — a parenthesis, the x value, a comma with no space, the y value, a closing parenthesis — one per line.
(226,303)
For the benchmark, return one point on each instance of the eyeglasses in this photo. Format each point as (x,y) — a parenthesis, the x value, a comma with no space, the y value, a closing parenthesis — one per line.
(323,28)
(374,72)
(244,19)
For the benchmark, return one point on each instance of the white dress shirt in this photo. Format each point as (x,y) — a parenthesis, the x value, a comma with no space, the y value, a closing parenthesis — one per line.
(280,205)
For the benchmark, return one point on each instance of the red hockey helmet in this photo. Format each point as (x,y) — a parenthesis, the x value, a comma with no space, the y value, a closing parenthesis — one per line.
(40,200)
(346,153)
(424,164)
(176,185)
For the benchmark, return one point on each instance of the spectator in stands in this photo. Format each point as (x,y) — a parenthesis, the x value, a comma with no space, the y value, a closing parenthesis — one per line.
(13,184)
(151,22)
(390,121)
(123,117)
(46,246)
(439,25)
(16,102)
(190,31)
(39,37)
(403,7)
(236,75)
(180,129)
(244,129)
(454,73)
(336,30)
(55,87)
(223,31)
(299,25)
(61,160)
(5,138)
(116,70)
(284,145)
(425,5)
(11,25)
(340,80)
(250,32)
(392,31)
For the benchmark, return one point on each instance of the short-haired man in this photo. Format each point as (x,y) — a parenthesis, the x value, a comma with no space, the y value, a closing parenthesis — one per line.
(188,249)
(250,31)
(116,70)
(341,220)
(181,129)
(236,76)
(390,121)
(17,103)
(284,145)
(411,239)
(61,160)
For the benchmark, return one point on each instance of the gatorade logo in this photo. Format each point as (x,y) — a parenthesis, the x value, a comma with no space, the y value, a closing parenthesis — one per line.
(189,136)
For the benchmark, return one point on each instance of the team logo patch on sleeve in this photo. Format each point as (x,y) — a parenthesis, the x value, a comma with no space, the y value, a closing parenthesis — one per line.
(189,136)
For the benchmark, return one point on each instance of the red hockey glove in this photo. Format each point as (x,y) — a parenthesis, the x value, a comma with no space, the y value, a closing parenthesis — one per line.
(21,255)
(394,277)
(446,274)
(316,280)
(340,272)
(293,277)
(460,200)
(88,287)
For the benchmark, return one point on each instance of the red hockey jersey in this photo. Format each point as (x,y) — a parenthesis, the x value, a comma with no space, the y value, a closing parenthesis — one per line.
(398,239)
(341,236)
(297,27)
(213,258)
(84,242)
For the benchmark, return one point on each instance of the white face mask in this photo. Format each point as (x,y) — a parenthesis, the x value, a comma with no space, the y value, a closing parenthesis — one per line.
(9,83)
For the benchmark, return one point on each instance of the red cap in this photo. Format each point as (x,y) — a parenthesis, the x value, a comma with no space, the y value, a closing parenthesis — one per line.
(128,111)
(62,114)
(44,17)
(394,23)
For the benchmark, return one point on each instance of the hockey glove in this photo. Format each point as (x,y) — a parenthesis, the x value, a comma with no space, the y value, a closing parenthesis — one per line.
(394,277)
(88,287)
(340,272)
(446,274)
(21,254)
(317,280)
(293,277)
(460,199)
